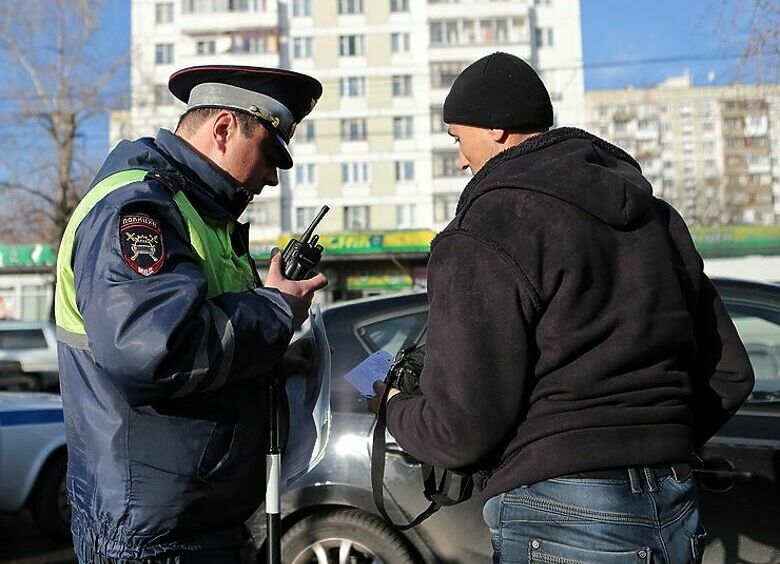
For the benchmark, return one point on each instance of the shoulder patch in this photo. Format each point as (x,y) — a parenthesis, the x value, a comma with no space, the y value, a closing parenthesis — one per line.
(142,243)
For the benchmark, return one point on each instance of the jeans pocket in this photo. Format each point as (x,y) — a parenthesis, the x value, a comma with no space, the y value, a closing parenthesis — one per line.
(491,513)
(548,552)
(698,543)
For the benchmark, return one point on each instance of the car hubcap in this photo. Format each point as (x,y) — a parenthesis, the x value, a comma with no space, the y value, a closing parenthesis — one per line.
(337,551)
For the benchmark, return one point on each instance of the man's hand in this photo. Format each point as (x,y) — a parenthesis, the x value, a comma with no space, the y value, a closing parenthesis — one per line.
(297,293)
(299,358)
(376,401)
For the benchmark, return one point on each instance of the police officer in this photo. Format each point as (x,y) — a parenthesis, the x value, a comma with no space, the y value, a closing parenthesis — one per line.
(167,337)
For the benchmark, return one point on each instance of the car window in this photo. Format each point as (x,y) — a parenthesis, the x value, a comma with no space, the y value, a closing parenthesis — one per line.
(759,329)
(393,334)
(22,339)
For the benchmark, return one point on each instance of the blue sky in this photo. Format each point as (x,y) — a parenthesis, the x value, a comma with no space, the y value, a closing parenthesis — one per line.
(631,30)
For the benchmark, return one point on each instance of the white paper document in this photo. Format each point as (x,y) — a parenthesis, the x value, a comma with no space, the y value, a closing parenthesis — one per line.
(372,369)
(308,397)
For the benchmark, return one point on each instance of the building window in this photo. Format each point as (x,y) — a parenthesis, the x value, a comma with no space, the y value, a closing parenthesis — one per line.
(445,165)
(544,37)
(352,87)
(253,42)
(163,12)
(305,132)
(302,8)
(404,171)
(356,218)
(488,31)
(406,216)
(400,42)
(354,173)
(353,129)
(306,174)
(403,127)
(444,206)
(216,6)
(437,123)
(163,54)
(351,45)
(259,214)
(444,74)
(303,47)
(304,216)
(350,7)
(162,96)
(399,6)
(206,47)
(402,85)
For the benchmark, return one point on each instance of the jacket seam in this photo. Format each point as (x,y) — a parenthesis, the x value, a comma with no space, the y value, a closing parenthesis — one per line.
(524,279)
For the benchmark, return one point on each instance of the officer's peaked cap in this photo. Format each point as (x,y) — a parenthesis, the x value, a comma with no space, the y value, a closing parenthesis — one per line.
(279,98)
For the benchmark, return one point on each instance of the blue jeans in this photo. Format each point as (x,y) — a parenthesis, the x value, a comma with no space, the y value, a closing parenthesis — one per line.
(639,518)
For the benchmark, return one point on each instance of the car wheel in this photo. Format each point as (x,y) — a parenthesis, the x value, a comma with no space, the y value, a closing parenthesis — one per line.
(50,506)
(344,536)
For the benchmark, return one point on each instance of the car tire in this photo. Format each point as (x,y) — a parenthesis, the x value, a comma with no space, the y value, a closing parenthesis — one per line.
(321,537)
(50,508)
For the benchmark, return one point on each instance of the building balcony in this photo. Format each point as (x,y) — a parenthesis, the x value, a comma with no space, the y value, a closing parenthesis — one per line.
(196,23)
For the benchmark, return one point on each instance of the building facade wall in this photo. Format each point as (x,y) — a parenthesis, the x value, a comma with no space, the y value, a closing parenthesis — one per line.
(385,68)
(707,150)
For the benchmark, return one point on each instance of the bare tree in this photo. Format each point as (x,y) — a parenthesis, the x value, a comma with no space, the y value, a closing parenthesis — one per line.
(57,81)
(753,26)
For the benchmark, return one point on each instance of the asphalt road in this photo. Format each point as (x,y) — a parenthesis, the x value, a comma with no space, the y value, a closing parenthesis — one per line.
(22,543)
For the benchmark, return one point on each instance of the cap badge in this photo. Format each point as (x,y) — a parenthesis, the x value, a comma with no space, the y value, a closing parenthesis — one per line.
(263,114)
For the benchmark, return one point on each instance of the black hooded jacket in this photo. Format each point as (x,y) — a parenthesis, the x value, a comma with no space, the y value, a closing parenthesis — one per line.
(571,326)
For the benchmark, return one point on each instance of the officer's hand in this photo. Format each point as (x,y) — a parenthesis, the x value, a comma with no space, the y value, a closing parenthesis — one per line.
(299,358)
(298,293)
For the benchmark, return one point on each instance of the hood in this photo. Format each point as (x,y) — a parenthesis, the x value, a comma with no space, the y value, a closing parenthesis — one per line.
(216,195)
(571,165)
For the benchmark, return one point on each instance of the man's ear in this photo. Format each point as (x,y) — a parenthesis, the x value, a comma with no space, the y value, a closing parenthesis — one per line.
(499,135)
(222,128)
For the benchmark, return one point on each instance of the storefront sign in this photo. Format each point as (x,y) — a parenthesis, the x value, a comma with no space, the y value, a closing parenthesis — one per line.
(370,242)
(26,255)
(735,241)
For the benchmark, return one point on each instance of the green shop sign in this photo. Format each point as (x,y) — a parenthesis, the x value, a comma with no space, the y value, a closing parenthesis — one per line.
(26,255)
(735,241)
(362,243)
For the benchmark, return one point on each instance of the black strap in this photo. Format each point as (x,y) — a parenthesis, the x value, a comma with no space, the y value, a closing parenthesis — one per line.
(436,494)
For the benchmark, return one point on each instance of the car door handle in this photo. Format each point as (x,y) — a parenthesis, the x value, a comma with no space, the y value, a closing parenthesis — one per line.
(722,473)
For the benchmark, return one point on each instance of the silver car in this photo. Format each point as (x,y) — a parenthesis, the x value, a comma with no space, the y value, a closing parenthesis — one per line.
(329,516)
(31,348)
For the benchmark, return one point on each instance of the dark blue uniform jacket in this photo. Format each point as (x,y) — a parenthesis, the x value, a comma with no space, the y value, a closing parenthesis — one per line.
(165,411)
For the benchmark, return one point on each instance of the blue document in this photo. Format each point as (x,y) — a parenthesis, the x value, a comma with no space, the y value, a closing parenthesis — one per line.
(373,369)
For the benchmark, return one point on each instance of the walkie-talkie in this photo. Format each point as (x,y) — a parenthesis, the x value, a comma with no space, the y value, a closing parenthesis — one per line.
(301,257)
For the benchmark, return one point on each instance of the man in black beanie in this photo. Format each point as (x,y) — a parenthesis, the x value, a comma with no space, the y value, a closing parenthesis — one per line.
(577,355)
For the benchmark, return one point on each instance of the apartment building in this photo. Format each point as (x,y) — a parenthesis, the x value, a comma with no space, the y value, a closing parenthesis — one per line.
(713,151)
(375,148)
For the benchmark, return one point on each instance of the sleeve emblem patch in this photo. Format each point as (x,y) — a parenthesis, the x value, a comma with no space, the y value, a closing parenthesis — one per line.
(142,243)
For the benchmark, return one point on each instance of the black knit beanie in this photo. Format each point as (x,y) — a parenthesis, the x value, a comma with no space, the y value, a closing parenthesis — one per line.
(499,91)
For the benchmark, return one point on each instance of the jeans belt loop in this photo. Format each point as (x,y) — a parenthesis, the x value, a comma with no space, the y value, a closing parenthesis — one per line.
(633,478)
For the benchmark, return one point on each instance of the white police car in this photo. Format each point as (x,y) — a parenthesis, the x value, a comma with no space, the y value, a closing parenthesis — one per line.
(33,459)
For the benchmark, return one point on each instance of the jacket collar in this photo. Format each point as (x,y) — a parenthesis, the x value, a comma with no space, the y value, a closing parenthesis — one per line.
(216,195)
(531,145)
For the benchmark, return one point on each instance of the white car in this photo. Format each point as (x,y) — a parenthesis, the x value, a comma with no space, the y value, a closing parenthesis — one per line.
(33,459)
(33,345)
